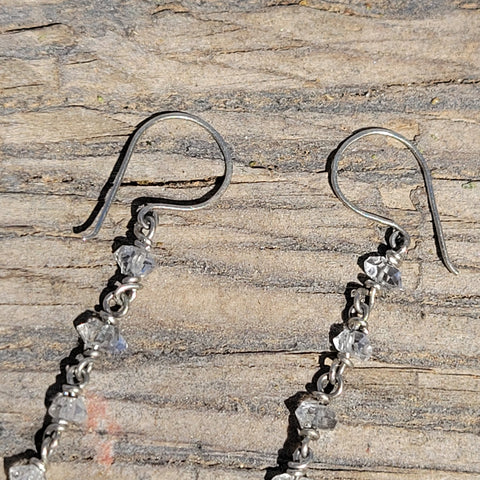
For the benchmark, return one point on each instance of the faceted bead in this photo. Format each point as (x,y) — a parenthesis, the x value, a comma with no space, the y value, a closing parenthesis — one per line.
(283,476)
(343,342)
(71,409)
(121,345)
(353,342)
(382,272)
(110,340)
(88,330)
(25,472)
(96,332)
(311,414)
(134,261)
(361,347)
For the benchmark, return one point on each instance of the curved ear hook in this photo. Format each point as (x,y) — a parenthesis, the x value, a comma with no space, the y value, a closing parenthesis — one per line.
(384,220)
(213,195)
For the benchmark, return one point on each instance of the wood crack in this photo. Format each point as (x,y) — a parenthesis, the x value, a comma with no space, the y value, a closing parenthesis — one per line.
(35,27)
(23,86)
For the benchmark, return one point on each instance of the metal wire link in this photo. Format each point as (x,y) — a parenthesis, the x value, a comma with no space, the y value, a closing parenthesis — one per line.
(336,386)
(336,369)
(48,445)
(78,376)
(51,437)
(112,300)
(363,303)
(345,359)
(130,288)
(144,229)
(302,457)
(311,433)
(398,242)
(359,303)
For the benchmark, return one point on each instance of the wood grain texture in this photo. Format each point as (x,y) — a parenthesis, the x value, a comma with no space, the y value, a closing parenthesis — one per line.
(228,329)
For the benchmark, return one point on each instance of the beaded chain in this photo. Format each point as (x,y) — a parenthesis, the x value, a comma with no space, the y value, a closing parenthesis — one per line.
(313,413)
(99,334)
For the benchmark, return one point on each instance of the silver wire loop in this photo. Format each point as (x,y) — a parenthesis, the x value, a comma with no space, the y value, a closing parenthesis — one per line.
(337,387)
(146,209)
(384,220)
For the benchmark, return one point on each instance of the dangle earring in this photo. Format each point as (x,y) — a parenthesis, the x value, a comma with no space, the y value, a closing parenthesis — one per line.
(100,333)
(313,413)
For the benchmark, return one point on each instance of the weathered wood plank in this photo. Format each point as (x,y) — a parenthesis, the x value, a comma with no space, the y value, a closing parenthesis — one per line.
(229,326)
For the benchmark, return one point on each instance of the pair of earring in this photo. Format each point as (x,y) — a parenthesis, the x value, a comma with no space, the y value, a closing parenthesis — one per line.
(100,332)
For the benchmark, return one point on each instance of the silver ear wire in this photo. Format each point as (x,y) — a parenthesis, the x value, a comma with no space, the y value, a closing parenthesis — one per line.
(384,220)
(216,192)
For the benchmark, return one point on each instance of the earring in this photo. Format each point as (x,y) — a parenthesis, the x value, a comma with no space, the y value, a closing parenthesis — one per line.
(100,333)
(313,412)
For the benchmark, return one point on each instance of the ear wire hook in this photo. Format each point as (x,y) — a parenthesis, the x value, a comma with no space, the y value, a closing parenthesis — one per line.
(384,220)
(215,193)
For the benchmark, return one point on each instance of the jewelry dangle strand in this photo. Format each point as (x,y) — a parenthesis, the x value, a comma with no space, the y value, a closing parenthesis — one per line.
(100,333)
(314,413)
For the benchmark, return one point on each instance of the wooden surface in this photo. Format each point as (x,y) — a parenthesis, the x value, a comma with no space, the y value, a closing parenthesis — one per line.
(230,325)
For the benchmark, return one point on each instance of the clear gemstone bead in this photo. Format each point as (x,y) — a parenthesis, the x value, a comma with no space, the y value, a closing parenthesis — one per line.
(134,261)
(343,342)
(25,472)
(353,342)
(67,408)
(311,414)
(88,331)
(121,345)
(382,272)
(96,332)
(283,476)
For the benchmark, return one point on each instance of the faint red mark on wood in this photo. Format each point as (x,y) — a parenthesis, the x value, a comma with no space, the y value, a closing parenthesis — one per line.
(105,453)
(101,422)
